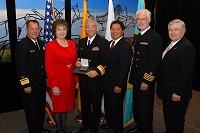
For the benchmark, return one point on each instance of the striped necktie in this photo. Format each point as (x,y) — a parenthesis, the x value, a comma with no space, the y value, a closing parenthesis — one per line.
(112,45)
(36,43)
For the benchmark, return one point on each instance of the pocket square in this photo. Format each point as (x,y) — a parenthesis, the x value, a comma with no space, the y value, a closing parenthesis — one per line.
(143,43)
(95,49)
(31,51)
(81,48)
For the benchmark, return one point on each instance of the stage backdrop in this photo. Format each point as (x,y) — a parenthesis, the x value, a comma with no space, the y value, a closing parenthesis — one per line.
(14,14)
(4,36)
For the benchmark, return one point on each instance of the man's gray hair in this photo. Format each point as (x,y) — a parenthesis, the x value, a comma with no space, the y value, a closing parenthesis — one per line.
(91,19)
(182,24)
(144,11)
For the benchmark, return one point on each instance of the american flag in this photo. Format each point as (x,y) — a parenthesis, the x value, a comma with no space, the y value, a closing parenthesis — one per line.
(48,22)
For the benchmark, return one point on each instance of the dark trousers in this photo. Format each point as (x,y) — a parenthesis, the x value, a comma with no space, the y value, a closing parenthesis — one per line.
(91,109)
(143,102)
(113,103)
(34,107)
(174,115)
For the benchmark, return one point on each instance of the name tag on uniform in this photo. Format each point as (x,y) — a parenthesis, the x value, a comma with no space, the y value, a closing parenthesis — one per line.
(143,43)
(31,51)
(95,49)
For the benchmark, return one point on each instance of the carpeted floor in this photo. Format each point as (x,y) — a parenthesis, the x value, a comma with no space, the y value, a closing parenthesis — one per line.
(14,122)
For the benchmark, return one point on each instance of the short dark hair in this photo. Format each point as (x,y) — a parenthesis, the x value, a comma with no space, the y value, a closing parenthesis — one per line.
(28,21)
(118,22)
(59,22)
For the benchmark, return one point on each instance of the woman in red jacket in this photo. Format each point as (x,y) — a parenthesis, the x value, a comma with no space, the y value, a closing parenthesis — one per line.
(60,61)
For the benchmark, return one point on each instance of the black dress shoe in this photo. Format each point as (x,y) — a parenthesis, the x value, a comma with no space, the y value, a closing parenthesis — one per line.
(133,130)
(66,131)
(93,132)
(82,129)
(45,131)
(105,126)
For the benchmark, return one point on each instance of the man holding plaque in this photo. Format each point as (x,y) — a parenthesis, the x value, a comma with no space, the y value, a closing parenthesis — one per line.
(94,58)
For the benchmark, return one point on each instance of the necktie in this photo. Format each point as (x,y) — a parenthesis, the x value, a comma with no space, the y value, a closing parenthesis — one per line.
(88,44)
(169,47)
(36,43)
(112,45)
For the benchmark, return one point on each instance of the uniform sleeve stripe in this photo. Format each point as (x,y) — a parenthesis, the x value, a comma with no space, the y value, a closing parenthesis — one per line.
(148,77)
(24,81)
(101,69)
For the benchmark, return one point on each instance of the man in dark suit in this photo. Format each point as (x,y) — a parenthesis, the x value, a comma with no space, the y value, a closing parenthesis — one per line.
(29,61)
(148,47)
(95,50)
(116,77)
(175,77)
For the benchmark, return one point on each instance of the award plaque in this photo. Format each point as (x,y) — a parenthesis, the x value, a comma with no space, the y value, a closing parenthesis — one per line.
(84,68)
(81,70)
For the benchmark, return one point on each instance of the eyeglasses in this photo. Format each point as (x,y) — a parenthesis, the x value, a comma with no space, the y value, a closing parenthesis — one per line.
(90,26)
(141,19)
(174,30)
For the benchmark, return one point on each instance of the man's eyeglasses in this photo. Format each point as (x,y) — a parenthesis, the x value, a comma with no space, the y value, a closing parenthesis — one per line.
(141,19)
(174,30)
(91,26)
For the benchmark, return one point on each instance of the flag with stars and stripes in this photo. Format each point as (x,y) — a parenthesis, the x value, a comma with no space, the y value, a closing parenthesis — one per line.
(48,21)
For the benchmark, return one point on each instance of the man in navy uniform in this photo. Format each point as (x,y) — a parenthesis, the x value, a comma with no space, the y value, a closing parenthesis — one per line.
(94,50)
(29,61)
(147,56)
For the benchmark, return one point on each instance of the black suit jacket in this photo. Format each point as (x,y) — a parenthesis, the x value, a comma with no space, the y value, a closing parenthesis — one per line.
(176,71)
(147,57)
(99,58)
(117,74)
(29,62)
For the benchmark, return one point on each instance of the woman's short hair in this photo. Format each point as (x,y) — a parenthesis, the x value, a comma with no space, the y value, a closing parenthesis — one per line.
(59,22)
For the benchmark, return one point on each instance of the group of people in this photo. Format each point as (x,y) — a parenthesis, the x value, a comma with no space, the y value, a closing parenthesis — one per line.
(109,63)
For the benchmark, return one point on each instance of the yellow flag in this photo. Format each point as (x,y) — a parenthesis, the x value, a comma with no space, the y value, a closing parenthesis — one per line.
(83,34)
(85,17)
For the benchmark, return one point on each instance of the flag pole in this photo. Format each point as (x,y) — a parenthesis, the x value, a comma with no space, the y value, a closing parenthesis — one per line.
(53,16)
